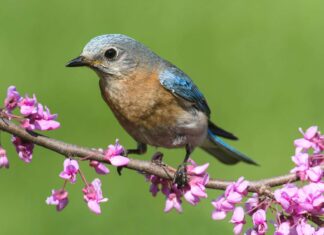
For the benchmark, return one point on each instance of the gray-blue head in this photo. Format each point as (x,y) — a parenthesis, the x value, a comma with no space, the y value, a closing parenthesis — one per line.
(114,55)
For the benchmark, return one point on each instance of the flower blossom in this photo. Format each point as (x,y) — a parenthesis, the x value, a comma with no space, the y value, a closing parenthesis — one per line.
(233,195)
(59,198)
(283,229)
(259,221)
(173,201)
(312,139)
(311,199)
(197,181)
(192,192)
(93,196)
(40,119)
(303,228)
(252,204)
(99,167)
(158,184)
(238,220)
(23,148)
(287,197)
(114,154)
(71,168)
(12,99)
(3,158)
(304,170)
(28,106)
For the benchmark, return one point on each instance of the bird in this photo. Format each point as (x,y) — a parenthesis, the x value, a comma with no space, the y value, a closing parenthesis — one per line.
(155,101)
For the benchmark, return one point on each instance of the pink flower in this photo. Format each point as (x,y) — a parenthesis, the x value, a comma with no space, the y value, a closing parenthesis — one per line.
(197,181)
(158,184)
(99,167)
(320,231)
(312,139)
(314,174)
(40,119)
(28,105)
(287,197)
(71,168)
(235,191)
(3,158)
(36,118)
(59,198)
(194,169)
(303,169)
(93,196)
(304,228)
(233,194)
(259,221)
(114,155)
(311,199)
(12,99)
(173,201)
(222,206)
(252,203)
(283,229)
(192,192)
(238,220)
(23,148)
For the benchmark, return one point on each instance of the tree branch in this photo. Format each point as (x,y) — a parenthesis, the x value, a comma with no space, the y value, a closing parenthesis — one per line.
(166,172)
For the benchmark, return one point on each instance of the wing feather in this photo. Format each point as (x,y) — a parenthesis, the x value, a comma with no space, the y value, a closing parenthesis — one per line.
(177,82)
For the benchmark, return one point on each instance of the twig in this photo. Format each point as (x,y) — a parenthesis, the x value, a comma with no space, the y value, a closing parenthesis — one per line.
(166,172)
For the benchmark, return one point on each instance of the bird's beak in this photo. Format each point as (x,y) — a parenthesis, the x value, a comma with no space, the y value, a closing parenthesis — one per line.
(78,62)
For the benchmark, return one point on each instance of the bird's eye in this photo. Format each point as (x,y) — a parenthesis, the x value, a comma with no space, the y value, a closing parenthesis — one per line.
(111,53)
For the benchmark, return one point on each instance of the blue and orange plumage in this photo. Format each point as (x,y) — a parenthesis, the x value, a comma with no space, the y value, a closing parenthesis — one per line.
(153,100)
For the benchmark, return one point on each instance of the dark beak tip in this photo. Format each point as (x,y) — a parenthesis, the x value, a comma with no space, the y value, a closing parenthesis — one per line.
(77,62)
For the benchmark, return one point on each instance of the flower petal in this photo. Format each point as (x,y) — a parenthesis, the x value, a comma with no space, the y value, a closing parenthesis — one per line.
(119,160)
(218,215)
(94,206)
(311,132)
(198,170)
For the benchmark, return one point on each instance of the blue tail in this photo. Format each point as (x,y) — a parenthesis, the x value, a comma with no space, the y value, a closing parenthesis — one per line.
(222,151)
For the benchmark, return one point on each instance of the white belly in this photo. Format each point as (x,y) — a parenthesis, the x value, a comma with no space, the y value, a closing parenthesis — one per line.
(187,129)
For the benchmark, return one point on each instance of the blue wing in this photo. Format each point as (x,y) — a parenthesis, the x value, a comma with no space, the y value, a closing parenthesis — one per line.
(177,82)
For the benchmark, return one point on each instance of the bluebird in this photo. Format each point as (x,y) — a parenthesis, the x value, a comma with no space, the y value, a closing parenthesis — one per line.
(154,101)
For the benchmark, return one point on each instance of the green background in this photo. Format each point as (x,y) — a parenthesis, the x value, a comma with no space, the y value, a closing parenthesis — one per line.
(259,64)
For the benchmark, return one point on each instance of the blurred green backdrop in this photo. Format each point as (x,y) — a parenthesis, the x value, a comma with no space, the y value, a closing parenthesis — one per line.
(259,63)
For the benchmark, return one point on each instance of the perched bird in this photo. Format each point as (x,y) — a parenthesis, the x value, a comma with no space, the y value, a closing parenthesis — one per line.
(154,101)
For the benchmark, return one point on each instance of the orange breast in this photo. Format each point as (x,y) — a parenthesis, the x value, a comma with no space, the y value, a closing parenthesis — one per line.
(140,103)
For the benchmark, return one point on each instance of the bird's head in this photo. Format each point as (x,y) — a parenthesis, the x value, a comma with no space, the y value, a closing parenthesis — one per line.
(114,56)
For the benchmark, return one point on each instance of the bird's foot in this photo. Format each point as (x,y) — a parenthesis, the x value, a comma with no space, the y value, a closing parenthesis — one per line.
(181,176)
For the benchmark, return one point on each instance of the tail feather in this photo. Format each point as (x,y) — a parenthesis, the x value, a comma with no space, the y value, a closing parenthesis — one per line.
(224,152)
(220,132)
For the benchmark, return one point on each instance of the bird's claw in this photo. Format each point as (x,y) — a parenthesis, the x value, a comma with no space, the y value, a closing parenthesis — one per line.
(181,176)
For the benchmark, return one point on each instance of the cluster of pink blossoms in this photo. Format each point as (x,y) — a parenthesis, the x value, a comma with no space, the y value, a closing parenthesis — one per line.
(92,192)
(293,207)
(192,192)
(32,116)
(308,157)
